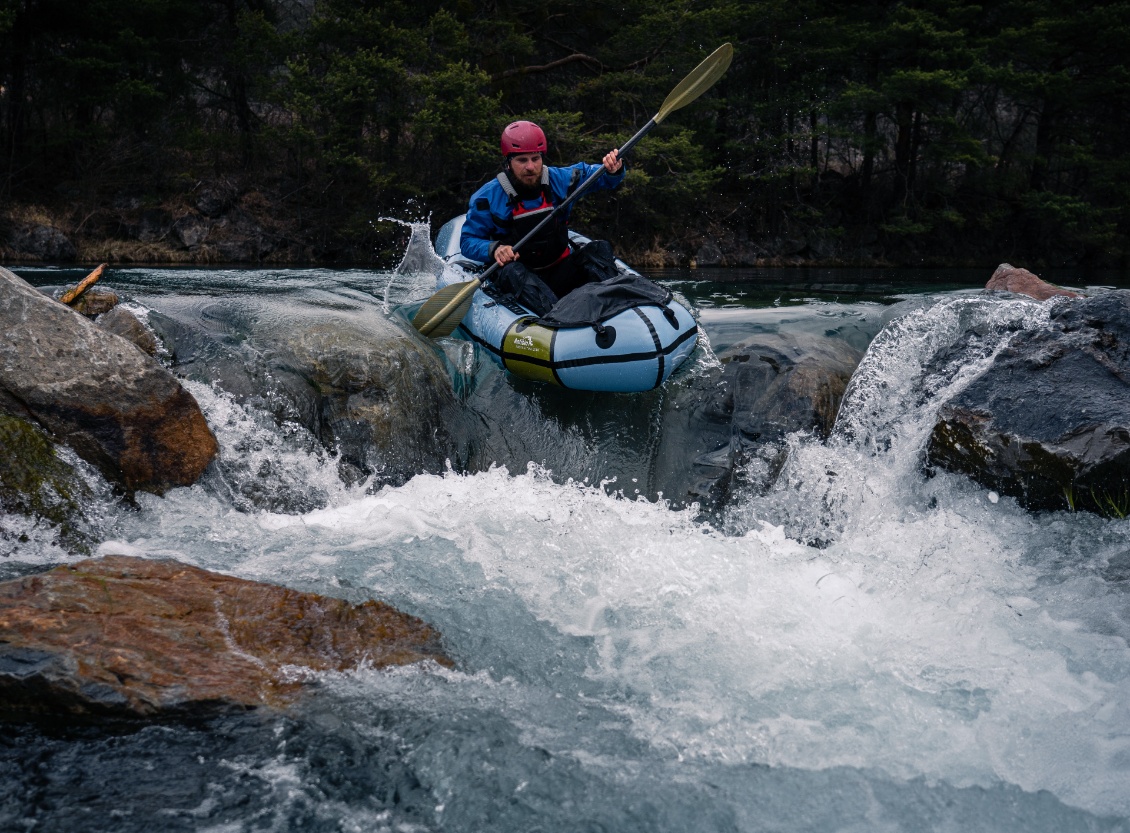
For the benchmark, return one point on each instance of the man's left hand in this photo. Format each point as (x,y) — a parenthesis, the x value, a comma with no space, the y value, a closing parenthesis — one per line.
(612,162)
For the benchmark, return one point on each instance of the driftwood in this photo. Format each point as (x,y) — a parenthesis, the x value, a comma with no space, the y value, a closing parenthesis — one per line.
(72,295)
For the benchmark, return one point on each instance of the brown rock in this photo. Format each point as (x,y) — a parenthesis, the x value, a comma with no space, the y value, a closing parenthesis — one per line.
(1011,279)
(136,637)
(95,302)
(122,322)
(115,406)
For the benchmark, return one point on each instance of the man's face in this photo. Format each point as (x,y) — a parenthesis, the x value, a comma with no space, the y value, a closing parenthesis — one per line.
(526,167)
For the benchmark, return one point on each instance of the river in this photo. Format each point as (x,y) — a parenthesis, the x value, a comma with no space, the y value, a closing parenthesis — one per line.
(940,660)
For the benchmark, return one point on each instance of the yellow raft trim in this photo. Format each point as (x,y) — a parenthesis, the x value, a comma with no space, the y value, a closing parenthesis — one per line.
(527,351)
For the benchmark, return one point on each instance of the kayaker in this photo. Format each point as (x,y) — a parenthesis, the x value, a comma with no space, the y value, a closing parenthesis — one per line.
(509,206)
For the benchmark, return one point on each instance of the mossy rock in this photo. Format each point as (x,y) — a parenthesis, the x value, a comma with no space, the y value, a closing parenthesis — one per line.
(36,482)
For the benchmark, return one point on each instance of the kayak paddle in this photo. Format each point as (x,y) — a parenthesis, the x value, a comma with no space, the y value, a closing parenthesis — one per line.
(441,313)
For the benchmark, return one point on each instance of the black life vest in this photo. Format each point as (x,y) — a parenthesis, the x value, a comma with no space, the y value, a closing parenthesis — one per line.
(550,245)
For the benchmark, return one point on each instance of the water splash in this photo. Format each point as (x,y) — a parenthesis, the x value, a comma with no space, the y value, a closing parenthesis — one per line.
(414,279)
(871,465)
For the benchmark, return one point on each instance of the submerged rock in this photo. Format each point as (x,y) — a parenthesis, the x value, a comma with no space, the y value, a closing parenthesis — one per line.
(1049,421)
(128,636)
(726,428)
(116,407)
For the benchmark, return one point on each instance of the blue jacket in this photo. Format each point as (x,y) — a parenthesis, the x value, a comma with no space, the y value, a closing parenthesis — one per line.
(488,212)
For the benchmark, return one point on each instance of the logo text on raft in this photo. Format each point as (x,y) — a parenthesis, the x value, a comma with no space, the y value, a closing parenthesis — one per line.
(525,343)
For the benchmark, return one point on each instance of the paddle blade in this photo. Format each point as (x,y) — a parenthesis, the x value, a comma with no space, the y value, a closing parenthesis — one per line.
(441,314)
(699,80)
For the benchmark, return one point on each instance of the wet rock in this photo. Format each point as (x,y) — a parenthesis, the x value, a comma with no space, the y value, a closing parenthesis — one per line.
(41,242)
(1008,278)
(134,637)
(116,407)
(123,323)
(37,483)
(383,398)
(95,302)
(1049,421)
(726,428)
(362,385)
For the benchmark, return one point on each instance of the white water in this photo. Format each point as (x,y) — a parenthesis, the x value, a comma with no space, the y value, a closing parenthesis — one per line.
(925,642)
(940,638)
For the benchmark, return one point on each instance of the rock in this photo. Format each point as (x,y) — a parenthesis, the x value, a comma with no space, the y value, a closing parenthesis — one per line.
(792,245)
(823,244)
(727,427)
(41,242)
(116,407)
(154,226)
(95,302)
(384,399)
(123,323)
(362,385)
(191,230)
(237,238)
(214,198)
(709,254)
(133,637)
(1010,279)
(1049,421)
(38,484)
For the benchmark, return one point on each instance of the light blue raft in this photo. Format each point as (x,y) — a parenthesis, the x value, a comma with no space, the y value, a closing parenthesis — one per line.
(638,349)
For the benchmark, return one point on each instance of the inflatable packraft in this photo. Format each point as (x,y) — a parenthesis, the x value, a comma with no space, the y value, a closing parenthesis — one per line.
(623,334)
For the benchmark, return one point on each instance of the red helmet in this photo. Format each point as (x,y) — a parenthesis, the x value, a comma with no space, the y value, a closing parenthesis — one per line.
(522,137)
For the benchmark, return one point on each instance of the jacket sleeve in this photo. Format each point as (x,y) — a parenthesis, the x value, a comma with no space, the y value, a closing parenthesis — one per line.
(480,231)
(563,177)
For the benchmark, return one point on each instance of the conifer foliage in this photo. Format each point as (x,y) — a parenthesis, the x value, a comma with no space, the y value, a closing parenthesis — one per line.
(908,131)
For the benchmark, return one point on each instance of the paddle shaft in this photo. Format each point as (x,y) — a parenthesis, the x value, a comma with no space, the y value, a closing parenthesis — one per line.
(700,79)
(593,177)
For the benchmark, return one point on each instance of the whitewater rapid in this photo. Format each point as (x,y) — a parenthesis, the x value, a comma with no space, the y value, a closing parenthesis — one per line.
(869,645)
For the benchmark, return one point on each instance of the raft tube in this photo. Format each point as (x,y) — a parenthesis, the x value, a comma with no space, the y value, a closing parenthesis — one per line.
(638,349)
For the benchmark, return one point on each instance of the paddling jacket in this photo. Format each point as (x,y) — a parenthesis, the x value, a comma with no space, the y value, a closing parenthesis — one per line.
(497,215)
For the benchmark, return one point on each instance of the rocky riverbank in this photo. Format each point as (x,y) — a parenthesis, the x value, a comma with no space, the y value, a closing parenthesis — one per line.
(224,222)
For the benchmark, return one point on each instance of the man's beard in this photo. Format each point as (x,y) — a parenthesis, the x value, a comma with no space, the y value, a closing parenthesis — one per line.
(525,191)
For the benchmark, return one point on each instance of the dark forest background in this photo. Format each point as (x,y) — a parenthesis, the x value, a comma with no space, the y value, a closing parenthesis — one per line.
(944,133)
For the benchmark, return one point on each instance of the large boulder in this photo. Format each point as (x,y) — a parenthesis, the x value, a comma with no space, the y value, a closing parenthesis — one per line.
(1049,421)
(123,323)
(115,406)
(38,241)
(134,637)
(365,386)
(385,399)
(726,428)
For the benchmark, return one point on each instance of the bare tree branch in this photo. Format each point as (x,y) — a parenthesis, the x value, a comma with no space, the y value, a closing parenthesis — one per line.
(569,59)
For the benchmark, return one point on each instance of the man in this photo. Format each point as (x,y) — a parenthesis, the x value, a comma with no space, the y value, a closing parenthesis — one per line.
(508,207)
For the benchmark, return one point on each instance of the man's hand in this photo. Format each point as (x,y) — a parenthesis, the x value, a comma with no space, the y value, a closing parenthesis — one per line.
(612,162)
(504,255)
